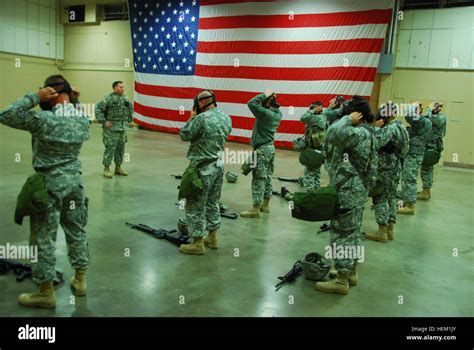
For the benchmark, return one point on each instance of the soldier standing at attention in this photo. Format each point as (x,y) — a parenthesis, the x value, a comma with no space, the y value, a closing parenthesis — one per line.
(114,112)
(207,130)
(352,157)
(58,134)
(435,143)
(268,116)
(419,131)
(392,146)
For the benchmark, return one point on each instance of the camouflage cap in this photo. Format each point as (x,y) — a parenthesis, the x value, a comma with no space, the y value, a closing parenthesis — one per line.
(315,267)
(231,176)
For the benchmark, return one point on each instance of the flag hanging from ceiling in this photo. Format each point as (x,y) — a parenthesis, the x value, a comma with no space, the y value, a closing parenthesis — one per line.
(303,50)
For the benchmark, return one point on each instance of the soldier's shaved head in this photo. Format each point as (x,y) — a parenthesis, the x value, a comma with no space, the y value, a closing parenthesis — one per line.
(204,101)
(204,94)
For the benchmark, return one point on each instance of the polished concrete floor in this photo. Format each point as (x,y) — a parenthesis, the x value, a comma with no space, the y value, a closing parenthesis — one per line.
(415,275)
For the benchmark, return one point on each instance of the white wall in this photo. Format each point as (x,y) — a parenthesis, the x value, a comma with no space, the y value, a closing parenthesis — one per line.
(437,38)
(31,27)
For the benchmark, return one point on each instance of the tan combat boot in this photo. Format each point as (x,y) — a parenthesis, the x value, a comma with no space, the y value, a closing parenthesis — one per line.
(353,276)
(264,208)
(409,209)
(44,298)
(379,236)
(197,247)
(108,173)
(339,285)
(252,213)
(332,272)
(78,283)
(211,240)
(424,195)
(390,229)
(120,171)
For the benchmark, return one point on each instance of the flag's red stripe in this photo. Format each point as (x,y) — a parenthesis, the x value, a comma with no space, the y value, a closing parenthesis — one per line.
(240,139)
(292,47)
(288,74)
(161,113)
(246,123)
(295,100)
(298,20)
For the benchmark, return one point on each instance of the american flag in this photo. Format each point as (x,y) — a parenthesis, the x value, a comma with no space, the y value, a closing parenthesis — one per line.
(302,50)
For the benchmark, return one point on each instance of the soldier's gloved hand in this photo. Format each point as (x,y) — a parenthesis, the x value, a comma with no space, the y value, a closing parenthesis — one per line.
(356,118)
(47,93)
(108,124)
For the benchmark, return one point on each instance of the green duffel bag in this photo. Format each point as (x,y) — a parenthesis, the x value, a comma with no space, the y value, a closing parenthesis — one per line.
(431,157)
(32,199)
(191,184)
(311,158)
(318,205)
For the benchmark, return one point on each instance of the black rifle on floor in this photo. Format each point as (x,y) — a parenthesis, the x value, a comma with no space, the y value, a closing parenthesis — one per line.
(227,214)
(287,179)
(290,276)
(23,271)
(173,236)
(177,177)
(324,227)
(283,192)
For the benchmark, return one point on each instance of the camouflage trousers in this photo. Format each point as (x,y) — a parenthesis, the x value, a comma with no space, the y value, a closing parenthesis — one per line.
(68,207)
(262,174)
(427,176)
(202,212)
(114,142)
(411,166)
(311,179)
(346,234)
(385,205)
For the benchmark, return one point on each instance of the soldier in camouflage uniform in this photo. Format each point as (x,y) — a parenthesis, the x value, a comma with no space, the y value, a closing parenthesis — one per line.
(333,110)
(419,131)
(114,112)
(58,134)
(352,156)
(207,130)
(315,123)
(435,142)
(268,116)
(392,145)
